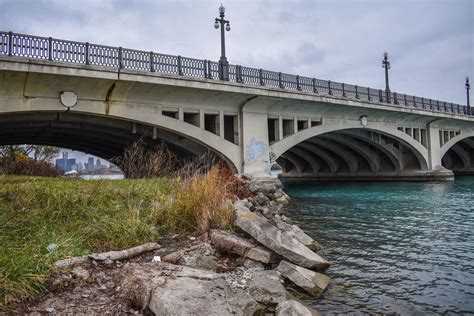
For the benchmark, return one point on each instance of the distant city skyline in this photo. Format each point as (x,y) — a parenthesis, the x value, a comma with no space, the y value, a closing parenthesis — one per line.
(81,157)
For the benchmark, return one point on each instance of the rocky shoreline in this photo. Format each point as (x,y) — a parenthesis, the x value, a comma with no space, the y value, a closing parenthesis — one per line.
(245,272)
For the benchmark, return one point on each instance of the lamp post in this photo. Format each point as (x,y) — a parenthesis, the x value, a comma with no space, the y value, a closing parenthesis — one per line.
(386,65)
(468,87)
(223,63)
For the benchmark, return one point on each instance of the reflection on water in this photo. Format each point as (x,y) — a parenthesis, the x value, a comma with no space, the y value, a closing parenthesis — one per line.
(402,248)
(101,176)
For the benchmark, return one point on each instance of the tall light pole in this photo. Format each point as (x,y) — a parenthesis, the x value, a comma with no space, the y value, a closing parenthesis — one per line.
(468,87)
(386,65)
(223,63)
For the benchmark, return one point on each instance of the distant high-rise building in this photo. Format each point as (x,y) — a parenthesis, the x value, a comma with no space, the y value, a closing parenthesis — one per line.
(89,165)
(65,164)
(79,166)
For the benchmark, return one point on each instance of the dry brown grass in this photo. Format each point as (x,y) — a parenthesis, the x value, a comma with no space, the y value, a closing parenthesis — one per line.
(200,203)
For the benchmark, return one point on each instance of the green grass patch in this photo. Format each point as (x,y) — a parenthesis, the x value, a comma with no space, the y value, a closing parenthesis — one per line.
(82,217)
(78,216)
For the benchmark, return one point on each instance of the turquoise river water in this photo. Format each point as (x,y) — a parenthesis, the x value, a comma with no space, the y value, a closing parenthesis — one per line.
(395,247)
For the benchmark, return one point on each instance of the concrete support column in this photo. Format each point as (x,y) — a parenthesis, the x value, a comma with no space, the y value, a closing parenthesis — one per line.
(201,118)
(180,114)
(159,109)
(295,125)
(434,148)
(254,136)
(221,124)
(280,127)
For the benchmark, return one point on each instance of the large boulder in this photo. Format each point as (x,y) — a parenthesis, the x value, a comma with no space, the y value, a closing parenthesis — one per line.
(293,308)
(266,287)
(277,240)
(312,282)
(198,256)
(297,233)
(166,289)
(229,242)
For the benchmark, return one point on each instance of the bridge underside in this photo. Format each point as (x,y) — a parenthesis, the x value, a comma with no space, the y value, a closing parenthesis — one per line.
(104,137)
(460,157)
(354,154)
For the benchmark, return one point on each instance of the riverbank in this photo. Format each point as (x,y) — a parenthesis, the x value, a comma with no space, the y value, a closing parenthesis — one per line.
(248,252)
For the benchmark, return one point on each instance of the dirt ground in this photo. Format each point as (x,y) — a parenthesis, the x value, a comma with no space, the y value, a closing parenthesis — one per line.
(94,288)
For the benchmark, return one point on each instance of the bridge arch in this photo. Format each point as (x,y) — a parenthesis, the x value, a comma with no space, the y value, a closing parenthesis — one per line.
(106,136)
(335,150)
(448,145)
(458,153)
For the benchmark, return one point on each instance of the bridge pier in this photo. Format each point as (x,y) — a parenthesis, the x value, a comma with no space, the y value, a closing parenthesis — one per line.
(254,135)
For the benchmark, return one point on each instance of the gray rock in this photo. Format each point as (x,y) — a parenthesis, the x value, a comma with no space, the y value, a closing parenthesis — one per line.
(312,282)
(167,289)
(261,199)
(277,194)
(80,273)
(242,204)
(265,211)
(254,187)
(297,233)
(282,200)
(281,242)
(292,308)
(253,265)
(226,241)
(245,203)
(199,256)
(266,287)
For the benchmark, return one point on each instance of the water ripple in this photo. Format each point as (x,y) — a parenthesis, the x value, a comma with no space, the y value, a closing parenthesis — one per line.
(395,248)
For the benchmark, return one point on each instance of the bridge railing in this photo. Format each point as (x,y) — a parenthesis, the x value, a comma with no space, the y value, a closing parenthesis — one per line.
(48,48)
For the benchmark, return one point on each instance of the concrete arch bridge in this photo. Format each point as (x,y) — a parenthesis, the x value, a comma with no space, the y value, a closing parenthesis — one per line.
(314,130)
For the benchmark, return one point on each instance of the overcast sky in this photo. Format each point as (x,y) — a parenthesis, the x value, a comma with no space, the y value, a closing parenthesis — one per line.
(430,42)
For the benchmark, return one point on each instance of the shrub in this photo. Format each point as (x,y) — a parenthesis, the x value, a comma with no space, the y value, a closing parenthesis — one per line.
(28,167)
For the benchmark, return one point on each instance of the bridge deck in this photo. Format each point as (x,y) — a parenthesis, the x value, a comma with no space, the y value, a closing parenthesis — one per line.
(47,48)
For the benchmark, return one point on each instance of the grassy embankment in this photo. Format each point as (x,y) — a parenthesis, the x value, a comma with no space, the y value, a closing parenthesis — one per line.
(82,217)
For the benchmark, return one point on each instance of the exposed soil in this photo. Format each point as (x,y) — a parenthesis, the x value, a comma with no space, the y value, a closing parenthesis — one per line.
(94,288)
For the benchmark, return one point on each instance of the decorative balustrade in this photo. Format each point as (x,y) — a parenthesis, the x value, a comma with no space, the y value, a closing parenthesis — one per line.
(47,48)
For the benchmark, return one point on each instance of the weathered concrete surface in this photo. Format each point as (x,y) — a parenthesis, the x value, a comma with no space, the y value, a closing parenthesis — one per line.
(293,308)
(282,243)
(199,256)
(312,282)
(297,233)
(166,289)
(226,241)
(266,287)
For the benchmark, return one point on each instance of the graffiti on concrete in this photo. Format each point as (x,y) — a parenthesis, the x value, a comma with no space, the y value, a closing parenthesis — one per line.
(254,150)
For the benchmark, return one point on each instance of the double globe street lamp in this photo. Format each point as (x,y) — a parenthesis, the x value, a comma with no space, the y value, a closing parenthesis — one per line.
(223,24)
(468,103)
(386,65)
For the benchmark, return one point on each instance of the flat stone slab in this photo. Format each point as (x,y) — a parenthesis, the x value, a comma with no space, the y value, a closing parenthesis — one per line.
(312,282)
(266,287)
(226,241)
(167,289)
(199,256)
(298,233)
(293,308)
(277,240)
